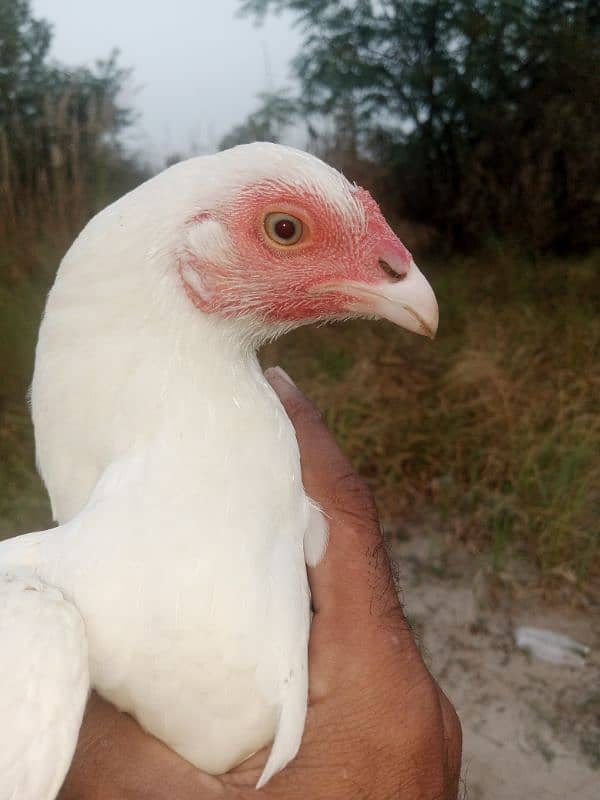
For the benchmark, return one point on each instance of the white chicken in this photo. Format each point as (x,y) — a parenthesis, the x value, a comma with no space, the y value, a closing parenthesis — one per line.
(175,583)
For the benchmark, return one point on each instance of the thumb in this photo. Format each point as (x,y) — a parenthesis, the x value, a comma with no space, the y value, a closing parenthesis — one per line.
(354,579)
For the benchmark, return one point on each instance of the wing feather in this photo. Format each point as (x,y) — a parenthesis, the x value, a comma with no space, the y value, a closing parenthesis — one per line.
(44,684)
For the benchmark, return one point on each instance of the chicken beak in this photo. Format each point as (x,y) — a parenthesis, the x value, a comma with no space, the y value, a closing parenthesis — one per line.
(407,301)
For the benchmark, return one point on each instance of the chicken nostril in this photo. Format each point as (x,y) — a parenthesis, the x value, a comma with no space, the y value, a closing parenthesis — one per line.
(397,276)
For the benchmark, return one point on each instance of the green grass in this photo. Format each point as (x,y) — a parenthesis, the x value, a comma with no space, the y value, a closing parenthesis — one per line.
(492,429)
(23,502)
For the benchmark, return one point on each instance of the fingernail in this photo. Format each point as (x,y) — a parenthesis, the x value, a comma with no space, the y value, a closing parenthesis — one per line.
(282,375)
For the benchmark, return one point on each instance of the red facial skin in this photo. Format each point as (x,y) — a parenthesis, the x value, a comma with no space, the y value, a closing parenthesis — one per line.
(290,283)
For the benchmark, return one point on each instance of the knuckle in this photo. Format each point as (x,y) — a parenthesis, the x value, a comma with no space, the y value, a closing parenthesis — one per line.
(302,412)
(353,494)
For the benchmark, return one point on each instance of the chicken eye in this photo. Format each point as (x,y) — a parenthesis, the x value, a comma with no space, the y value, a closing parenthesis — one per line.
(283,228)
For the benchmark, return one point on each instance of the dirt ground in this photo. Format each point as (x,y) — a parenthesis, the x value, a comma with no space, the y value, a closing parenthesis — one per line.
(531,728)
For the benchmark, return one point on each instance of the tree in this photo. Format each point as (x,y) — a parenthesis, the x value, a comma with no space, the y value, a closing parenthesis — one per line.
(24,44)
(266,124)
(59,128)
(481,112)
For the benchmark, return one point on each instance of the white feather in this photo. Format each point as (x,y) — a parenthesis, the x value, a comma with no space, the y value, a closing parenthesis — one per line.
(175,473)
(44,686)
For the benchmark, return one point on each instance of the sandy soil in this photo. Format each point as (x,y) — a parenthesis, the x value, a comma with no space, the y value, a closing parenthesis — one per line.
(531,729)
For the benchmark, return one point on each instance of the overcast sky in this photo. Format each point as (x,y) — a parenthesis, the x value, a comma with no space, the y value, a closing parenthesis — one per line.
(197,66)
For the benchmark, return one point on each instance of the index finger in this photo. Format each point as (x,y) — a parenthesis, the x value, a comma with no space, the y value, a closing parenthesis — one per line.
(354,575)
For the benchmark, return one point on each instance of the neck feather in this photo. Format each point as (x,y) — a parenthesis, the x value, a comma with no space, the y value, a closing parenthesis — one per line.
(113,377)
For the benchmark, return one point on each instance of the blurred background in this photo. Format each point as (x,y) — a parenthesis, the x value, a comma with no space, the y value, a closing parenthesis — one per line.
(476,125)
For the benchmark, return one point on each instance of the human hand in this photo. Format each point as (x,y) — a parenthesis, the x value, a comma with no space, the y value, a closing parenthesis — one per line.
(378,725)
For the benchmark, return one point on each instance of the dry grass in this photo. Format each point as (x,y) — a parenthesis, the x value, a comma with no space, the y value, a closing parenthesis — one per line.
(59,164)
(493,428)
